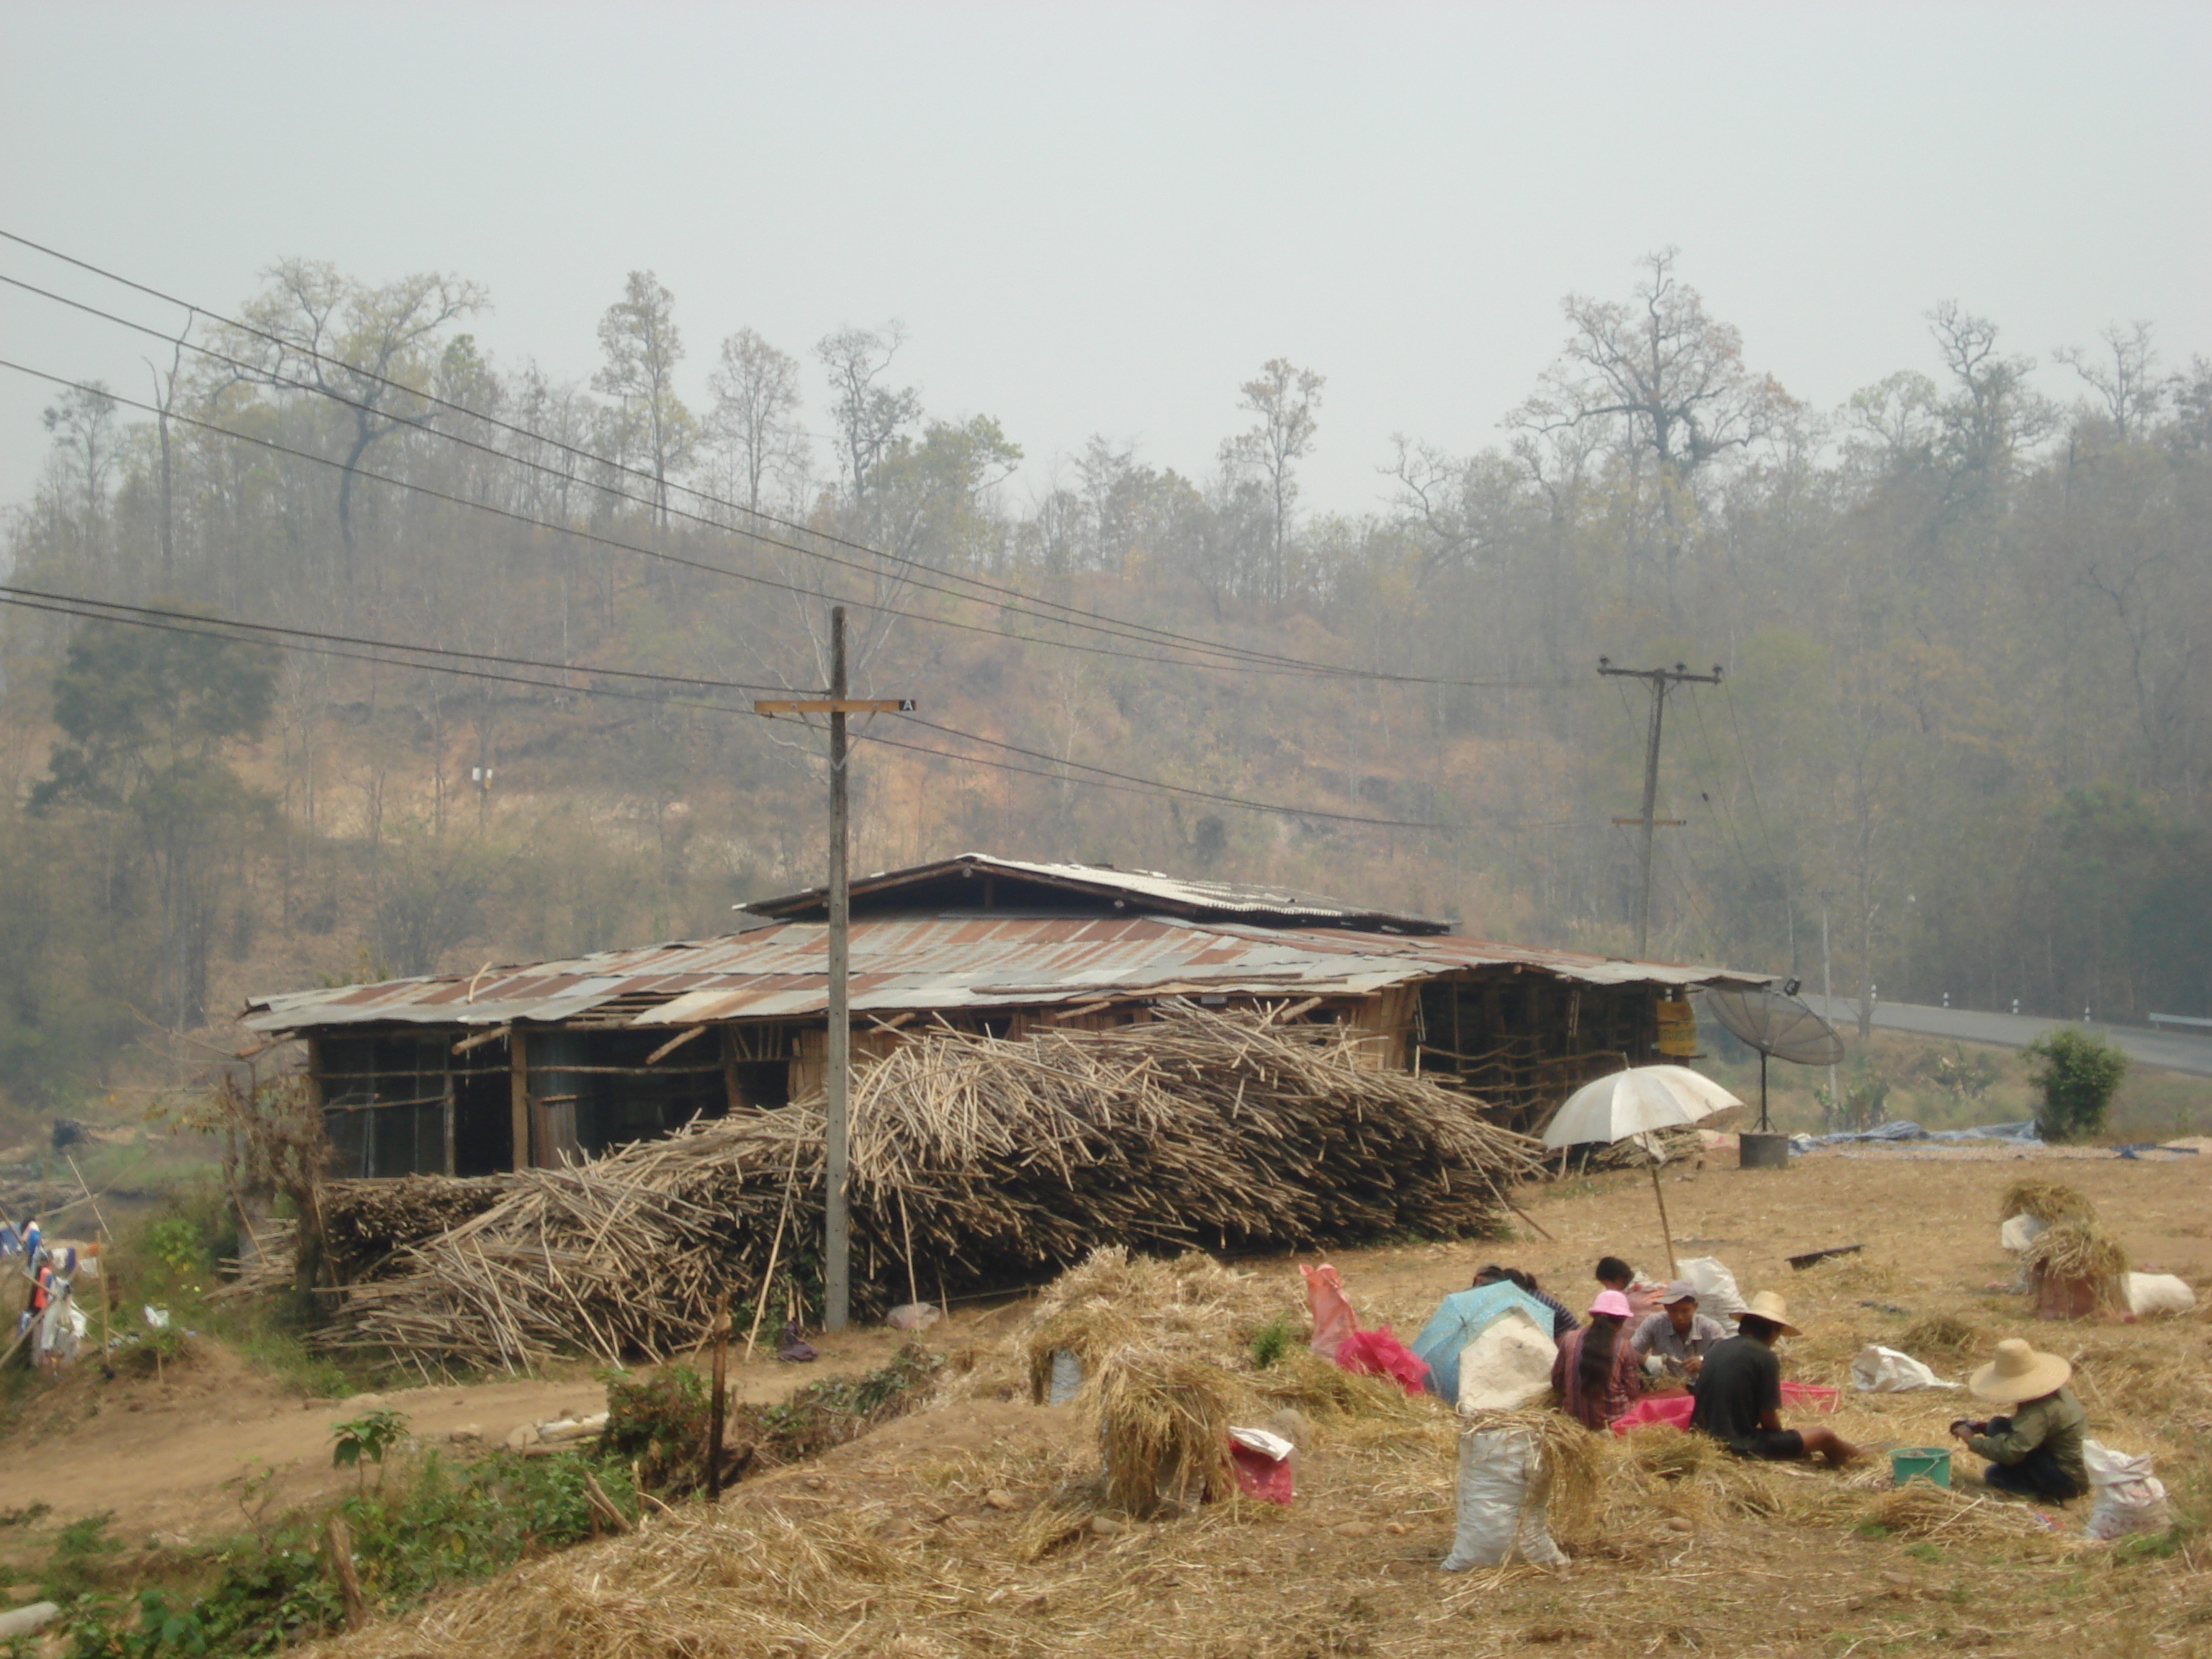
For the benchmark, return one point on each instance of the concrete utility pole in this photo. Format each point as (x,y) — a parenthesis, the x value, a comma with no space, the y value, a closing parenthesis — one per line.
(837,1057)
(1661,680)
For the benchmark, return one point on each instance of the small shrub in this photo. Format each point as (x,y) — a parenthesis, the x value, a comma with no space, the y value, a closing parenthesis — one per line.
(369,1437)
(2077,1074)
(1271,1341)
(658,1425)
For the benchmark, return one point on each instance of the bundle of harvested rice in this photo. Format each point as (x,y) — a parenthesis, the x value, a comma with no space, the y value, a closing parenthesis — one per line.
(2048,1201)
(1944,1334)
(2079,1253)
(974,1163)
(1663,1450)
(1163,1420)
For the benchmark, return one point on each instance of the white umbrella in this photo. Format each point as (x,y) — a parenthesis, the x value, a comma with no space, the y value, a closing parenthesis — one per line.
(1634,1103)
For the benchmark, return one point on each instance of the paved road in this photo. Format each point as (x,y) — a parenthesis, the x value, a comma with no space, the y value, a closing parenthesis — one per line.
(2166,1050)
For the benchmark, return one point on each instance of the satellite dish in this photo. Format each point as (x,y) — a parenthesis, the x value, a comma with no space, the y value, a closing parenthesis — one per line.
(1779,1024)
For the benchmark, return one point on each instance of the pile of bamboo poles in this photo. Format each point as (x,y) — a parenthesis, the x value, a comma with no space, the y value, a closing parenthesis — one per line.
(976,1163)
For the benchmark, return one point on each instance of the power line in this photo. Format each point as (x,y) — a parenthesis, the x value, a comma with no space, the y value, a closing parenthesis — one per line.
(391,645)
(1759,811)
(1072,616)
(310,642)
(612,542)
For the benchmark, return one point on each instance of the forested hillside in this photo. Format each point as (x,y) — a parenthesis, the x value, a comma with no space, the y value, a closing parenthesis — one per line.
(1966,634)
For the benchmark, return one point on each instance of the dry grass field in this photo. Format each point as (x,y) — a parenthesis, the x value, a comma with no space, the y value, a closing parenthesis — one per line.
(974,1527)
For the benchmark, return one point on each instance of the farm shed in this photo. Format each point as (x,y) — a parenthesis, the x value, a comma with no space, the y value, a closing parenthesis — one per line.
(530,1064)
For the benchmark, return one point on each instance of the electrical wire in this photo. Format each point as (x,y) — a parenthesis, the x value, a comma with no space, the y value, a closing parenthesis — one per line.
(395,645)
(1010,598)
(596,537)
(308,641)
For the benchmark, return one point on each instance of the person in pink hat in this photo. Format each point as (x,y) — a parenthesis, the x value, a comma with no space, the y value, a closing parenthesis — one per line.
(1596,1369)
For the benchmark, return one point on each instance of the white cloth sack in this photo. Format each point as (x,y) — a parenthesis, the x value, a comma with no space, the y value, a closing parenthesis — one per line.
(1507,1365)
(2159,1293)
(1496,1520)
(2019,1232)
(2130,1498)
(1066,1378)
(1877,1369)
(1716,1287)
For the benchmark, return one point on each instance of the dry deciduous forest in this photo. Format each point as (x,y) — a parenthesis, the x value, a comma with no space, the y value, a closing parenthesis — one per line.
(1963,713)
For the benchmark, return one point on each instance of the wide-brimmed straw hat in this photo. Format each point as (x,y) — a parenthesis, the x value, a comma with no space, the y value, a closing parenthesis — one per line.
(2020,1372)
(1773,1310)
(1611,1302)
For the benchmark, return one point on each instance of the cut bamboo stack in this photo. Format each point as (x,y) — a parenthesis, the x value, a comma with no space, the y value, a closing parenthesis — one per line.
(976,1163)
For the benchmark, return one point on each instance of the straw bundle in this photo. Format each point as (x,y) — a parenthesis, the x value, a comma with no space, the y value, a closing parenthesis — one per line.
(2079,1252)
(976,1163)
(1942,1334)
(2049,1201)
(1164,1421)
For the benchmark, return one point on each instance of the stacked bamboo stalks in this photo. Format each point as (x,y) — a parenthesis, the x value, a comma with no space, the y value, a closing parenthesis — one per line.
(976,1163)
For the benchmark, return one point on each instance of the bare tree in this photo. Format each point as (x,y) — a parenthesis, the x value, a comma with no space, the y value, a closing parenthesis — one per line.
(1285,397)
(370,349)
(757,417)
(643,345)
(1666,382)
(868,415)
(2126,379)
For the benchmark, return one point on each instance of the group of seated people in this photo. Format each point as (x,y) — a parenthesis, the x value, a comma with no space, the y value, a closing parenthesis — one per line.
(1643,1336)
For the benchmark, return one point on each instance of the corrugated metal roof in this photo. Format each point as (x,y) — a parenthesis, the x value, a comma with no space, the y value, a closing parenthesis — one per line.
(930,962)
(1139,889)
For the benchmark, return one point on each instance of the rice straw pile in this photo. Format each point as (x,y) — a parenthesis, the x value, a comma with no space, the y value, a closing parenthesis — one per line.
(976,1163)
(2046,1201)
(1163,1420)
(2080,1251)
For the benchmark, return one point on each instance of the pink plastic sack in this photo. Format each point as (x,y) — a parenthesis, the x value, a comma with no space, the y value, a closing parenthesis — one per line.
(1332,1311)
(1378,1354)
(1259,1475)
(1675,1409)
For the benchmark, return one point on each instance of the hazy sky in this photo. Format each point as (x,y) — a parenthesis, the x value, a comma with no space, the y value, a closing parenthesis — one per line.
(1102,217)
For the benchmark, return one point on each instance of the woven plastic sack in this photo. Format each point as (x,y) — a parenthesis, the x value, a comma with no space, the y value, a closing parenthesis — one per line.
(1331,1309)
(2159,1293)
(2019,1232)
(1877,1369)
(1715,1285)
(1378,1354)
(1067,1380)
(2130,1498)
(1499,1519)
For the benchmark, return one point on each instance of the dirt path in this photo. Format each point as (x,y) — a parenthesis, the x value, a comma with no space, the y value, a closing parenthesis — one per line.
(166,1457)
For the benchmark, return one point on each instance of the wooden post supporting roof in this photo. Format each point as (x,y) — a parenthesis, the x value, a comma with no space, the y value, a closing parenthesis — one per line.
(518,1062)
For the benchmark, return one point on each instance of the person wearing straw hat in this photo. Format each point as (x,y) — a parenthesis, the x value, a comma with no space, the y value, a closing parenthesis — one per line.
(1739,1393)
(2036,1452)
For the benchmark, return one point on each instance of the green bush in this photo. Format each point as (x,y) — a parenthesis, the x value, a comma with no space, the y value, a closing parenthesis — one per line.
(2077,1072)
(1271,1341)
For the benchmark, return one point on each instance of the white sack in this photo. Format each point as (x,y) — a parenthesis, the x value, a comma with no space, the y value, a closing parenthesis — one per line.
(1877,1369)
(1496,1518)
(2130,1498)
(2019,1232)
(1716,1287)
(1066,1378)
(1507,1365)
(2159,1293)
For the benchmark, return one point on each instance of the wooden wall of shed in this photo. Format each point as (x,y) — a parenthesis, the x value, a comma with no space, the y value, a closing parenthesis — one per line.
(1388,1017)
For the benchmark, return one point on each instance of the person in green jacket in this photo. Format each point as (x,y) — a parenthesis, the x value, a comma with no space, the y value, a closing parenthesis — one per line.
(2036,1452)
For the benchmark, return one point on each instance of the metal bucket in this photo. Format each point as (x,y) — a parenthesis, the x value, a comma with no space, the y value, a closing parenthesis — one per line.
(1762,1152)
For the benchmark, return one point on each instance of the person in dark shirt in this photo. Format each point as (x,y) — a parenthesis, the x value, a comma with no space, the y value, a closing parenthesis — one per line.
(1740,1394)
(1563,1316)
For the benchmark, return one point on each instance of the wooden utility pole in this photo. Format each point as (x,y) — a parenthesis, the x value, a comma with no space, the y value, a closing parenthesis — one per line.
(837,1057)
(1661,680)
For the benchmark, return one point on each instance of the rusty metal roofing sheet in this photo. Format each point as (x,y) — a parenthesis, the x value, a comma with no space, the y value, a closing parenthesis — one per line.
(926,963)
(1147,889)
